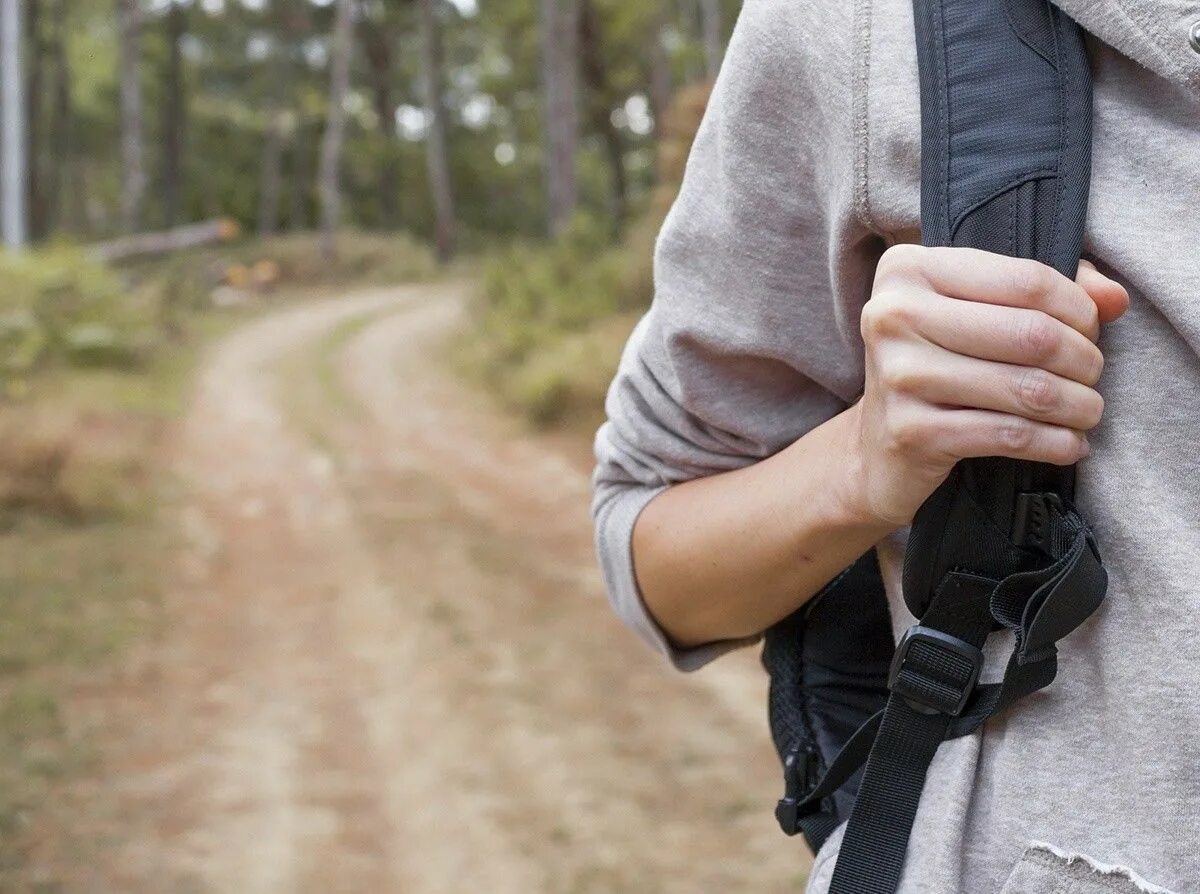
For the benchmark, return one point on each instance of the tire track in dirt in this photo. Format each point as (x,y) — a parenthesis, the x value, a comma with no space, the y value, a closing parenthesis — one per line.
(388,665)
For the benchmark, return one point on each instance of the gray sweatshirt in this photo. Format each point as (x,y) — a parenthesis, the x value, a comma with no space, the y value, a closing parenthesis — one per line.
(805,169)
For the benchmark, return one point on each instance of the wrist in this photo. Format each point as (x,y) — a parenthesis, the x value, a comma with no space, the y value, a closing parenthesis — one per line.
(849,475)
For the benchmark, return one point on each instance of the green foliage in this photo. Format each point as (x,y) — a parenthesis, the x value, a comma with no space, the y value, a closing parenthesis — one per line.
(542,334)
(60,306)
(72,596)
(241,63)
(550,318)
(384,258)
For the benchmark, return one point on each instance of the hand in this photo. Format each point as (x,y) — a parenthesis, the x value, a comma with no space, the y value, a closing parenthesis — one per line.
(970,354)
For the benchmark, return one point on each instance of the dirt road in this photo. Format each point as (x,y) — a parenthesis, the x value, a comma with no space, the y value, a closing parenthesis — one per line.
(387,665)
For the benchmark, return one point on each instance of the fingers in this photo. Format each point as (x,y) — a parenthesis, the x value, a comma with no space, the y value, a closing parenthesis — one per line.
(1028,338)
(979,276)
(971,433)
(1111,298)
(947,379)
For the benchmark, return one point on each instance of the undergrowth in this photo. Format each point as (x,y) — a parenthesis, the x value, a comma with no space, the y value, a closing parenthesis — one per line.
(549,319)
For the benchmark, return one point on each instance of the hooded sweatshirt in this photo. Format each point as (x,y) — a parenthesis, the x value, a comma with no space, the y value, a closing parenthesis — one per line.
(805,169)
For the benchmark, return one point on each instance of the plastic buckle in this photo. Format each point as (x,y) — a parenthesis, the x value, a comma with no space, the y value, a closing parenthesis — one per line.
(1031,517)
(801,773)
(934,673)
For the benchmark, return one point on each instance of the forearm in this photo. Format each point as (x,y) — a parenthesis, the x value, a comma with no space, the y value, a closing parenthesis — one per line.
(726,556)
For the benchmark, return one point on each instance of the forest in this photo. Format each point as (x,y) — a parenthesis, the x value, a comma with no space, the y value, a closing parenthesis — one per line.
(461,122)
(539,142)
(308,312)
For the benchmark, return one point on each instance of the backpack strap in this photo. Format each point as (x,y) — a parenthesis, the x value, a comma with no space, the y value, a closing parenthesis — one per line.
(1006,149)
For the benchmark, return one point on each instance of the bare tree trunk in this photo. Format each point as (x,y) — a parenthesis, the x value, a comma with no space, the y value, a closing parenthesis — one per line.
(174,115)
(710,23)
(60,116)
(142,245)
(271,174)
(376,38)
(335,128)
(12,126)
(437,161)
(599,104)
(34,84)
(133,172)
(560,37)
(688,15)
(298,176)
(660,76)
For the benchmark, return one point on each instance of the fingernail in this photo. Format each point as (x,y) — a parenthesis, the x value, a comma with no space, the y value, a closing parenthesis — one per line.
(1084,448)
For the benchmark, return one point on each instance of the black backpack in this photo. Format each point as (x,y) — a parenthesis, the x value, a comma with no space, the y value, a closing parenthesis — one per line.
(856,718)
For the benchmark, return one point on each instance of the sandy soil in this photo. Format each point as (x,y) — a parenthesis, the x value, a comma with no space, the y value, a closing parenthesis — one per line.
(386,663)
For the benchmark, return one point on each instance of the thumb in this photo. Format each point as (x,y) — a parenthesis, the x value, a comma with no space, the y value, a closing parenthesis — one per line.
(1110,296)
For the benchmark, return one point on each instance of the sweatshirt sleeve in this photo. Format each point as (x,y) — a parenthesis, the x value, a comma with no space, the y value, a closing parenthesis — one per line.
(761,270)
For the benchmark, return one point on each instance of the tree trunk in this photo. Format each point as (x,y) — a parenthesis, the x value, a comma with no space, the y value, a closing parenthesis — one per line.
(710,23)
(271,176)
(174,115)
(377,46)
(298,176)
(34,85)
(335,128)
(689,14)
(599,103)
(133,172)
(60,117)
(660,76)
(144,245)
(271,173)
(437,161)
(560,32)
(12,126)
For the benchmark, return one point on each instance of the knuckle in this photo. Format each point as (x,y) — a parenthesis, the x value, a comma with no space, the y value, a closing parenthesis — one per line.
(1037,391)
(908,433)
(1038,337)
(885,315)
(1095,367)
(1031,282)
(899,373)
(871,322)
(1015,435)
(1064,451)
(905,258)
(1095,410)
(1092,315)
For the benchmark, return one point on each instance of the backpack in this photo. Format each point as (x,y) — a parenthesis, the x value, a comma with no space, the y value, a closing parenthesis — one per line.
(856,718)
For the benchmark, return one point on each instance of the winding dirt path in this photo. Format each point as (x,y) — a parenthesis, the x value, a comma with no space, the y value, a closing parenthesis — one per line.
(387,664)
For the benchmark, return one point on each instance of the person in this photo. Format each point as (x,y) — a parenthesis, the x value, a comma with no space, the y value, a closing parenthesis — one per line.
(807,374)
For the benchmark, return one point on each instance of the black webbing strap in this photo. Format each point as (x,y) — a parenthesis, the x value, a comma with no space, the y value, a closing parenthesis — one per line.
(1006,126)
(935,695)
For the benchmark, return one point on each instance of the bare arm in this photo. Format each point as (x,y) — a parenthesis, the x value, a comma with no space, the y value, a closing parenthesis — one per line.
(968,354)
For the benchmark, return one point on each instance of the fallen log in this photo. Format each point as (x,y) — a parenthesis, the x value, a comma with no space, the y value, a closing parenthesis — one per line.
(164,242)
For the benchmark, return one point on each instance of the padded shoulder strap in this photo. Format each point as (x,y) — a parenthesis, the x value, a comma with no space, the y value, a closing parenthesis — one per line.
(1006,147)
(1006,124)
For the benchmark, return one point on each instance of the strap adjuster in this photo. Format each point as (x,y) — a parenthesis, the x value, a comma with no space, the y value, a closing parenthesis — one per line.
(801,773)
(934,672)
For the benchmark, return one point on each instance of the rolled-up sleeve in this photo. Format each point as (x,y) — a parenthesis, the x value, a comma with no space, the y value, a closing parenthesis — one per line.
(761,271)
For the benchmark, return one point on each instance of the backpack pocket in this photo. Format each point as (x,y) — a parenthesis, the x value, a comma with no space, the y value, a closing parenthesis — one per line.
(1044,868)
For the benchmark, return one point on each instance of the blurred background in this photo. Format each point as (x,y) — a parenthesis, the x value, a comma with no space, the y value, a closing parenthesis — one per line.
(307,310)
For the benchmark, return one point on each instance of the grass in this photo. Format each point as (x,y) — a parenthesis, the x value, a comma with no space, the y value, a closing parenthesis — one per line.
(73,596)
(79,565)
(317,364)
